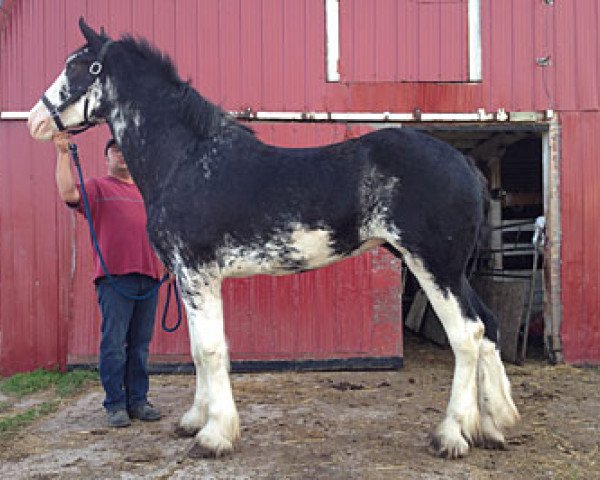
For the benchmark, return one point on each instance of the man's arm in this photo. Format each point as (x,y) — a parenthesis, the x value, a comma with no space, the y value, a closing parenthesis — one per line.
(67,188)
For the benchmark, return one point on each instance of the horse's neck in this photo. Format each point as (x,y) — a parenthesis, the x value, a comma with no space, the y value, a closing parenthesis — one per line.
(147,132)
(142,145)
(150,148)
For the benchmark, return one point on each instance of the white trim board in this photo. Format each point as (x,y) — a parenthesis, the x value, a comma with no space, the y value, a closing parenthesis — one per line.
(478,116)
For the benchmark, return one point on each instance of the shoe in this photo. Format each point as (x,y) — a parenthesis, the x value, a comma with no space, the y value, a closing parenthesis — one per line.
(145,412)
(118,418)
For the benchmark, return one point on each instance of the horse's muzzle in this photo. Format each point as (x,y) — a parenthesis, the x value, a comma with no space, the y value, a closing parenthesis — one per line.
(39,122)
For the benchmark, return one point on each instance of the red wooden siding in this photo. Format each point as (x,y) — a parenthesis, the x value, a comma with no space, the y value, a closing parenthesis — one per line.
(269,54)
(580,179)
(329,313)
(403,40)
(29,269)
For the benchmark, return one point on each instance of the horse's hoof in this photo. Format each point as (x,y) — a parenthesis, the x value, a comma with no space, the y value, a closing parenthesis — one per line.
(184,432)
(494,444)
(447,449)
(198,451)
(492,437)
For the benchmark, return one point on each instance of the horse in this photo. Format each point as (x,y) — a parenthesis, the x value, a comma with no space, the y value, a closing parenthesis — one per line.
(221,203)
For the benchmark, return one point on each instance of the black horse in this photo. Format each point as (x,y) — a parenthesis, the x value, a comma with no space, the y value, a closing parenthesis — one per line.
(220,203)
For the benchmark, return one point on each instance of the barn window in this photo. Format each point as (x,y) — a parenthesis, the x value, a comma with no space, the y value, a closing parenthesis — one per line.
(403,40)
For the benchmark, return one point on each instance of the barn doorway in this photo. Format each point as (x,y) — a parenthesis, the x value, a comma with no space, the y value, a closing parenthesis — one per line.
(508,269)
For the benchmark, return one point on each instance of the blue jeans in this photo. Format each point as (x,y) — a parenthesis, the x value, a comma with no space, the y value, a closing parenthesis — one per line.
(127,327)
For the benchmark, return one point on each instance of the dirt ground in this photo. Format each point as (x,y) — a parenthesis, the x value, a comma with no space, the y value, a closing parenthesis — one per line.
(340,425)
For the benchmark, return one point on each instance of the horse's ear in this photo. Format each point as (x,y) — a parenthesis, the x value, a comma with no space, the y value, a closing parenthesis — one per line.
(93,39)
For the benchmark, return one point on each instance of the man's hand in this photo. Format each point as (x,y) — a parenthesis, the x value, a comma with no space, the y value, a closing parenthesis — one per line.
(61,142)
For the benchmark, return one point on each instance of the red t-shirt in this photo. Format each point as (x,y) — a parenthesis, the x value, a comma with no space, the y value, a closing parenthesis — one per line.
(119,219)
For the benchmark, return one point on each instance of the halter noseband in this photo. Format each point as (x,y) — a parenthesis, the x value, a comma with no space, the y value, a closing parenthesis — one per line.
(54,110)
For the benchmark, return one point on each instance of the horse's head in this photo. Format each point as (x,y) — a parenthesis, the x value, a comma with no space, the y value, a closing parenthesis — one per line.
(75,99)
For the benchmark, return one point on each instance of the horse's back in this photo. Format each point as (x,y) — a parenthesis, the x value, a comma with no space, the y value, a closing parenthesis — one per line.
(408,152)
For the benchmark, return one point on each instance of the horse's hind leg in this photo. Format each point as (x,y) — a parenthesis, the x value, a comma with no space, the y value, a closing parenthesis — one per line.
(461,426)
(496,407)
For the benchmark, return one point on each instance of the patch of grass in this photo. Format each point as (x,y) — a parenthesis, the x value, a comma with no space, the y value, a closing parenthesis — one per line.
(11,424)
(72,382)
(65,384)
(4,406)
(22,384)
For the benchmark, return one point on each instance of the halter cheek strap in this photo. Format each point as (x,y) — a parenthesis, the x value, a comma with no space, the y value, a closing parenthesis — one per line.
(53,112)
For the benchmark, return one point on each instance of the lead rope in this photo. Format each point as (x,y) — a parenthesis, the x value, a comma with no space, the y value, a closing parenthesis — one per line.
(111,280)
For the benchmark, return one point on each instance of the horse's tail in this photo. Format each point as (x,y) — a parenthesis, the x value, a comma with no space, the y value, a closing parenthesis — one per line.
(484,195)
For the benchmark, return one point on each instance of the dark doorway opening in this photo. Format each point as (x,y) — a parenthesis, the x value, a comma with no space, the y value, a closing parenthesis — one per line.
(507,270)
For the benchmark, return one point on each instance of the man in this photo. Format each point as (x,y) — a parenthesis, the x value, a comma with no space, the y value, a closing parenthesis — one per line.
(119,219)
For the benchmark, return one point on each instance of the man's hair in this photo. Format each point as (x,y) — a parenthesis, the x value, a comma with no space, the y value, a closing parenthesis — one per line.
(111,142)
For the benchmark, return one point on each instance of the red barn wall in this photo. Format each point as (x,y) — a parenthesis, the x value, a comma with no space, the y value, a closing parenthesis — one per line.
(29,268)
(269,55)
(580,193)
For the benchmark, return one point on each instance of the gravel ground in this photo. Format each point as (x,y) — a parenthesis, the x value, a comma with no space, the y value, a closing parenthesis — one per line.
(335,425)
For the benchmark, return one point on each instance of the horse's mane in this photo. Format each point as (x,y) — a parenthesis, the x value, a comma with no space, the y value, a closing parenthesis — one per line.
(198,113)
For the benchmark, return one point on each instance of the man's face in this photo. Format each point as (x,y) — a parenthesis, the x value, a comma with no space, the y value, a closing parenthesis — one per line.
(116,163)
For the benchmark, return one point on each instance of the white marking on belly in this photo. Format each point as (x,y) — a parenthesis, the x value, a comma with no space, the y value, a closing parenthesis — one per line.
(294,249)
(312,247)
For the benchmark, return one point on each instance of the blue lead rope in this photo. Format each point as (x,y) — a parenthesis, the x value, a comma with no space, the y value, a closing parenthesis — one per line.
(111,280)
(166,309)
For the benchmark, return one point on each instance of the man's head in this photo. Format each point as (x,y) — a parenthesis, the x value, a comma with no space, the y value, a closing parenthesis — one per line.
(116,164)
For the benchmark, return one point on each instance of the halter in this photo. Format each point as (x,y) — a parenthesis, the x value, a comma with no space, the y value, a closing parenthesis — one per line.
(55,110)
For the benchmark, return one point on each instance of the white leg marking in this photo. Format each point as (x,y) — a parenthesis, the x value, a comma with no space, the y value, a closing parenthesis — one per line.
(497,408)
(213,388)
(461,425)
(196,417)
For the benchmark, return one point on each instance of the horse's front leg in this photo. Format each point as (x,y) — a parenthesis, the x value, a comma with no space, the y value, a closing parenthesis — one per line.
(197,416)
(213,411)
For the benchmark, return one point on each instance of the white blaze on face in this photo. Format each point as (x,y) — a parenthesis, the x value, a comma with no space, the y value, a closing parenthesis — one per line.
(40,123)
